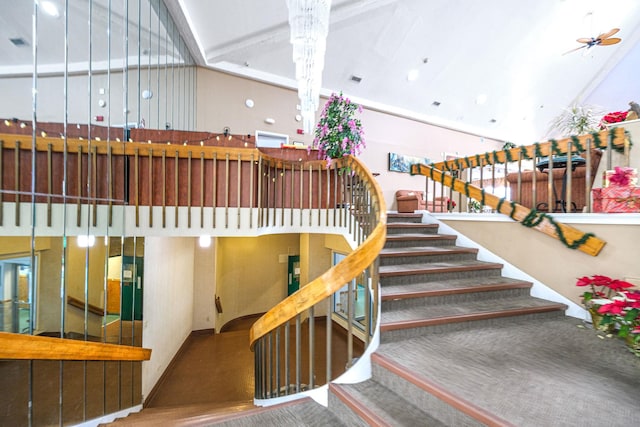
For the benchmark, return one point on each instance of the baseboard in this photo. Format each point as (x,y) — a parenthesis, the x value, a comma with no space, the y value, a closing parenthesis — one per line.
(163,377)
(209,331)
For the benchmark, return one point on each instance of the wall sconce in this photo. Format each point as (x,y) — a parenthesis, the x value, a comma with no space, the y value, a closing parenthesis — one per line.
(226,131)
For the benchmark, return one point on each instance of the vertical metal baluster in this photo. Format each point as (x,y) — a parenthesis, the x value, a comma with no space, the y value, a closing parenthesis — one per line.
(16,162)
(301,190)
(283,179)
(176,187)
(150,186)
(274,181)
(587,176)
(312,348)
(214,187)
(257,357)
(136,176)
(298,353)
(310,194)
(287,367)
(277,356)
(292,191)
(201,188)
(94,184)
(550,192)
(78,184)
(49,183)
(164,188)
(568,178)
(239,187)
(189,159)
(251,186)
(267,192)
(260,184)
(367,304)
(350,318)
(319,195)
(269,383)
(329,338)
(226,190)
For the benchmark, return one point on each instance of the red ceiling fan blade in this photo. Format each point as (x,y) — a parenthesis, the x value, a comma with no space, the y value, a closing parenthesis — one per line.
(610,41)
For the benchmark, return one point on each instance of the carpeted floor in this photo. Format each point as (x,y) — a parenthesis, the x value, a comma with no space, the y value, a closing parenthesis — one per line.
(545,373)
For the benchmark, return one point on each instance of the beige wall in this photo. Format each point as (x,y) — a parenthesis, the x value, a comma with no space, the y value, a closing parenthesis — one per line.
(221,102)
(549,261)
(250,278)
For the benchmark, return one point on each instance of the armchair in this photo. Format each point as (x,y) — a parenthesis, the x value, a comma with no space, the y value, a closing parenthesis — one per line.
(409,201)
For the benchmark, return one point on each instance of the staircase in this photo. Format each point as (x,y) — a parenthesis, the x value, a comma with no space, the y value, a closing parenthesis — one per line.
(461,345)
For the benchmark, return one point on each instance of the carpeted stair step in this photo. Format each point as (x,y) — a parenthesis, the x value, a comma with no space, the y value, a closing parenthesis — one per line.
(410,322)
(447,407)
(419,239)
(446,270)
(424,254)
(524,373)
(451,287)
(420,294)
(411,227)
(371,404)
(403,217)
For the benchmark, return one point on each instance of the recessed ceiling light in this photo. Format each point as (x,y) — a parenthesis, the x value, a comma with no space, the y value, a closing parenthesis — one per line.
(492,121)
(436,103)
(356,79)
(481,99)
(413,74)
(50,8)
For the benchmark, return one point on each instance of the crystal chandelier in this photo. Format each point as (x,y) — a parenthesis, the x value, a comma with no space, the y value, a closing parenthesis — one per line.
(309,23)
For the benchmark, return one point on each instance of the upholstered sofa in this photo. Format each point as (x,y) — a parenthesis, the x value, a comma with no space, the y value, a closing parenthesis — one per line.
(578,183)
(409,201)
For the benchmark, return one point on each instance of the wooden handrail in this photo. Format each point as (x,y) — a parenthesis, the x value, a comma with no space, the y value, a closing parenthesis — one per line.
(334,278)
(29,347)
(591,246)
(619,140)
(75,302)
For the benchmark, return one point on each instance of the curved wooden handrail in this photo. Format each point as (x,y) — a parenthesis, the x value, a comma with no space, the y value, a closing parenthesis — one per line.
(592,246)
(93,309)
(334,278)
(29,347)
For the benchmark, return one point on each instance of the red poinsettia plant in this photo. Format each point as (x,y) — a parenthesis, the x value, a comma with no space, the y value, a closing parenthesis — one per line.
(615,301)
(613,117)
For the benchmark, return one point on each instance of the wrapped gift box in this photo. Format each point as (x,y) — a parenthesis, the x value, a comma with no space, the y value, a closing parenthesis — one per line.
(616,199)
(631,175)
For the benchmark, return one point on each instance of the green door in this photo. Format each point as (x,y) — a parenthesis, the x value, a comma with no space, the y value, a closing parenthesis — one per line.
(133,273)
(294,274)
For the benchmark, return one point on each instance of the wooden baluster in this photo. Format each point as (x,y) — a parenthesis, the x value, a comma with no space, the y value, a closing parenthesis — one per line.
(79,185)
(150,187)
(176,187)
(164,188)
(189,158)
(136,173)
(201,189)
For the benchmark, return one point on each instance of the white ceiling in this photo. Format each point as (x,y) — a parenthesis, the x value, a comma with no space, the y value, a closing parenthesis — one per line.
(510,51)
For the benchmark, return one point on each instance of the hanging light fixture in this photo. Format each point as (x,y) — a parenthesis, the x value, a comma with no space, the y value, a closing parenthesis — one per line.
(309,24)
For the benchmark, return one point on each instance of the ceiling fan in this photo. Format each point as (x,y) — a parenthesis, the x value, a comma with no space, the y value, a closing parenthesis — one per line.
(603,39)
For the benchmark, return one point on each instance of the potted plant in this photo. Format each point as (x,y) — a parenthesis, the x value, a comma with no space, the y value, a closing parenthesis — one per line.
(623,311)
(338,132)
(577,120)
(600,291)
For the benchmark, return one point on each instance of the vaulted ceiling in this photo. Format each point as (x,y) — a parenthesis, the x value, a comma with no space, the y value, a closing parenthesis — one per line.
(508,52)
(494,67)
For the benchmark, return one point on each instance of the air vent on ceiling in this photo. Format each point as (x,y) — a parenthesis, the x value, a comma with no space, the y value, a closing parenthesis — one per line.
(492,121)
(356,79)
(436,103)
(18,41)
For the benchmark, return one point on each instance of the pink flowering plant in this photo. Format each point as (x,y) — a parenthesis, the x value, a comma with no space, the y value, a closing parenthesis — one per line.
(338,132)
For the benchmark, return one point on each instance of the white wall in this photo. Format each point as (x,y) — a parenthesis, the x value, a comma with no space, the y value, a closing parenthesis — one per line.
(168,302)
